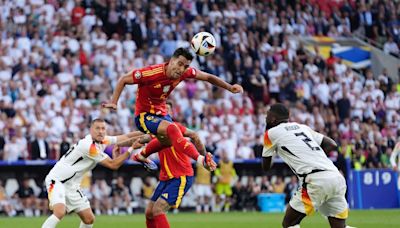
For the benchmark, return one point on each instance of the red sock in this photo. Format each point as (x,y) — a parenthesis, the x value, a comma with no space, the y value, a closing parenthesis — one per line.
(150,223)
(179,142)
(161,221)
(152,147)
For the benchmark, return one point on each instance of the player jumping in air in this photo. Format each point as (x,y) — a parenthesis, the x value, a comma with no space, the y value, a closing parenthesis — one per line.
(323,187)
(64,178)
(155,83)
(176,176)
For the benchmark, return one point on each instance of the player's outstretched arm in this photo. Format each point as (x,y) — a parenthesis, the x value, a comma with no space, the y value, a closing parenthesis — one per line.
(196,141)
(118,158)
(127,79)
(201,75)
(129,138)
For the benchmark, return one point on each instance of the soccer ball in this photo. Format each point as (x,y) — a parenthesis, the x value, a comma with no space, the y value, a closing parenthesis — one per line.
(203,43)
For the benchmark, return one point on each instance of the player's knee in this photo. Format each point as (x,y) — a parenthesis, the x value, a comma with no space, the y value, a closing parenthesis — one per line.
(149,213)
(59,213)
(88,219)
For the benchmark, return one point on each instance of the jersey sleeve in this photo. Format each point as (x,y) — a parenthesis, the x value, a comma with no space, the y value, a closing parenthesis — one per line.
(318,137)
(181,127)
(269,149)
(189,73)
(137,76)
(109,140)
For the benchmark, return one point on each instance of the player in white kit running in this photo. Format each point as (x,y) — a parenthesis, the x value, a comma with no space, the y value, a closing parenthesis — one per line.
(63,180)
(323,187)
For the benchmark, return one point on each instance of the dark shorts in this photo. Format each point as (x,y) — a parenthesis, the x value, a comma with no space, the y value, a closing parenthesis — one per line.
(148,123)
(173,190)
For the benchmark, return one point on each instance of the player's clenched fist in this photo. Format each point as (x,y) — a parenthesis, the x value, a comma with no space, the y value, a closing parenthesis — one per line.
(236,88)
(209,163)
(109,105)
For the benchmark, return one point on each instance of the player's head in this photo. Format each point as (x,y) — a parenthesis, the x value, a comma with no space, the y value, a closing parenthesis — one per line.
(98,129)
(179,62)
(278,113)
(169,108)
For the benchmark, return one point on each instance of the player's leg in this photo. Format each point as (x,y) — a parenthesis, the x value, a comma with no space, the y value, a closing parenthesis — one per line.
(228,199)
(56,195)
(337,223)
(87,218)
(292,217)
(150,222)
(170,198)
(77,201)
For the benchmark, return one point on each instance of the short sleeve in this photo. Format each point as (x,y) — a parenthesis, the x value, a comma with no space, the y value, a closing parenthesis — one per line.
(109,140)
(181,127)
(318,137)
(137,76)
(190,73)
(95,154)
(269,147)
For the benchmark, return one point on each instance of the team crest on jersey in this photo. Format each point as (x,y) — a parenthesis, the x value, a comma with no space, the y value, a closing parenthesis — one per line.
(138,75)
(157,86)
(149,118)
(166,88)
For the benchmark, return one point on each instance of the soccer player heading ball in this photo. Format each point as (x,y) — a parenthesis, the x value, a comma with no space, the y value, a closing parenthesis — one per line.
(155,83)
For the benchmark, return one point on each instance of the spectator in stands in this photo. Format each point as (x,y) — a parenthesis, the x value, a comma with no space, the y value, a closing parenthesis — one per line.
(101,203)
(390,47)
(147,189)
(291,188)
(26,196)
(39,147)
(42,200)
(203,189)
(5,204)
(279,185)
(121,196)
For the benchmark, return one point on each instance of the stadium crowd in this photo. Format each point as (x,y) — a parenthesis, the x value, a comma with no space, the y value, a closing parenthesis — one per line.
(61,59)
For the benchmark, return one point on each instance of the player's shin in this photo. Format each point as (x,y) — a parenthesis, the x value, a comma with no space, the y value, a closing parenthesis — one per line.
(51,222)
(161,221)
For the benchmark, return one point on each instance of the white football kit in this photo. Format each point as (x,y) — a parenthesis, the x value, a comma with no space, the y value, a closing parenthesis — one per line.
(323,186)
(63,180)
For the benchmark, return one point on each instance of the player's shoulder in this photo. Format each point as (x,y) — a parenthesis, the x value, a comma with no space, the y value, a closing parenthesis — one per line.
(85,141)
(148,71)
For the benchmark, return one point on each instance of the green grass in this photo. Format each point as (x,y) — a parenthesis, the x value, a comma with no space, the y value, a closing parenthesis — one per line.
(363,219)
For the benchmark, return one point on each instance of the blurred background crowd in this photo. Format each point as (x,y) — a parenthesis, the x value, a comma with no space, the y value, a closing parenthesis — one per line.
(60,59)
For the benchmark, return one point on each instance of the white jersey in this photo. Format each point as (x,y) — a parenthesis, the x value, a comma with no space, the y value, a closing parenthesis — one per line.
(80,158)
(299,146)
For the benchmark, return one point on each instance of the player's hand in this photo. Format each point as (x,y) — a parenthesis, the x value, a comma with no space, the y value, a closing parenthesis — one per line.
(148,164)
(111,106)
(209,163)
(137,143)
(236,88)
(116,151)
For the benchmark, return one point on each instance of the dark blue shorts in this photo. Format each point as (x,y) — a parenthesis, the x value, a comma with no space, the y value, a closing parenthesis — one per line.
(148,123)
(173,190)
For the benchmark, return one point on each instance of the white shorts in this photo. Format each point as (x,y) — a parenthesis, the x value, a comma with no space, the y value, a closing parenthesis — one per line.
(73,199)
(325,192)
(203,190)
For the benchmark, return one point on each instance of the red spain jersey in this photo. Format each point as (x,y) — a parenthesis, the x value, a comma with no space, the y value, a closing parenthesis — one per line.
(174,164)
(154,88)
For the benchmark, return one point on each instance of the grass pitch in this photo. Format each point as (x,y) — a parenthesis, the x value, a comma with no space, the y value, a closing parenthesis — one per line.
(363,219)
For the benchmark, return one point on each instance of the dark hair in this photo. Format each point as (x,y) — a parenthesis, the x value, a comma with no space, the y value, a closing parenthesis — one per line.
(183,52)
(170,104)
(280,111)
(96,120)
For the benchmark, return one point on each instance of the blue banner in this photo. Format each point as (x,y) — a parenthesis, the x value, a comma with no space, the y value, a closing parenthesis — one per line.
(373,188)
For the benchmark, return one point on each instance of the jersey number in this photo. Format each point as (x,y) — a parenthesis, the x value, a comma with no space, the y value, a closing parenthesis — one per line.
(307,141)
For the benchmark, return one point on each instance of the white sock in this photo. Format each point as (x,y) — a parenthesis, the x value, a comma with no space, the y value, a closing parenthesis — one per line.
(295,226)
(83,225)
(51,222)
